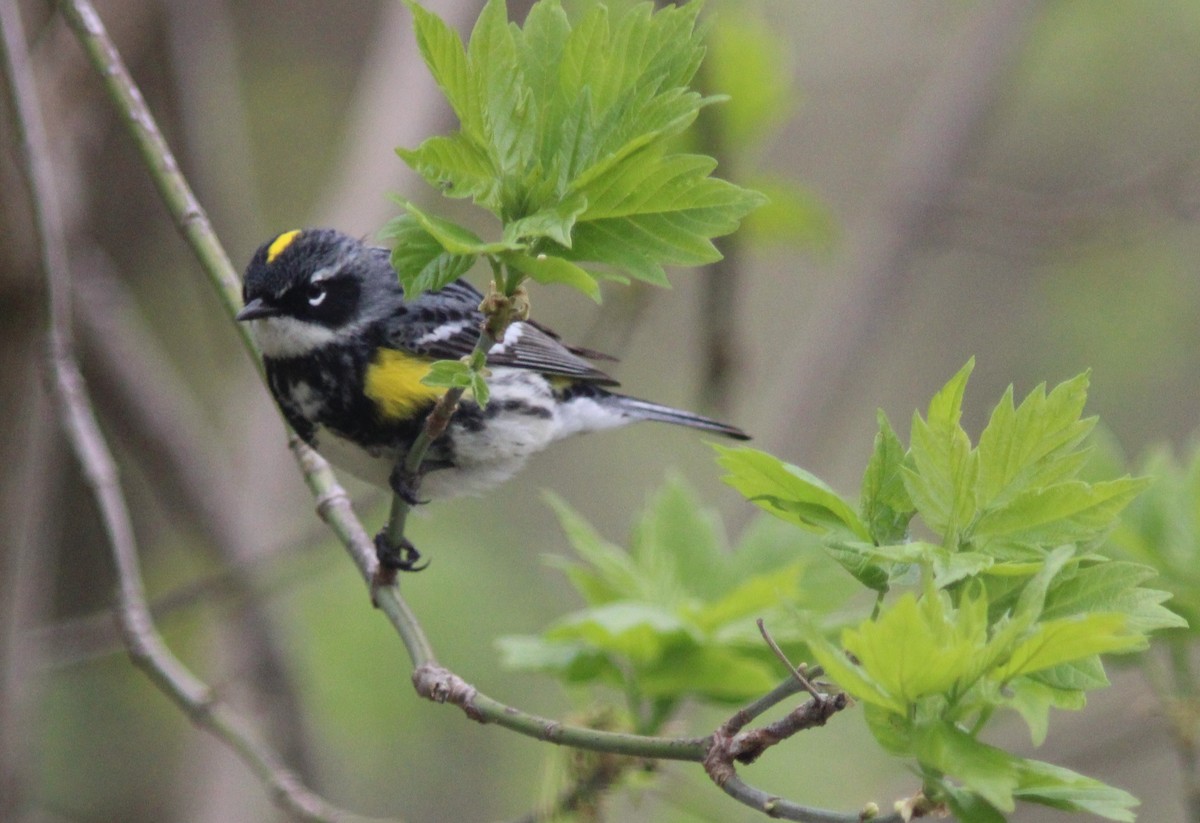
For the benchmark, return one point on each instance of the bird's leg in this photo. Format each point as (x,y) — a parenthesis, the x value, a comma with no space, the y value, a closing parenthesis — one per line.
(395,552)
(392,559)
(406,484)
(397,558)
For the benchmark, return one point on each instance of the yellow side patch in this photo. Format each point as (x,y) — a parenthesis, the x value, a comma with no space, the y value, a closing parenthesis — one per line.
(280,244)
(393,382)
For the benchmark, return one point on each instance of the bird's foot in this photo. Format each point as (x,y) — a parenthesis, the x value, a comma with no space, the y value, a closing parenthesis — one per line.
(405,486)
(393,559)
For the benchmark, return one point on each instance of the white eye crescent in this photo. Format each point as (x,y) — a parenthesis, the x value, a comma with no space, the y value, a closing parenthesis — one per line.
(316,294)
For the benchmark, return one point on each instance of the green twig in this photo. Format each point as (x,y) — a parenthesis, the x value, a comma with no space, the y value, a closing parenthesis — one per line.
(499,311)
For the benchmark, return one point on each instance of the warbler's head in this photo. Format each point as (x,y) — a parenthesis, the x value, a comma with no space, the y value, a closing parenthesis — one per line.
(308,288)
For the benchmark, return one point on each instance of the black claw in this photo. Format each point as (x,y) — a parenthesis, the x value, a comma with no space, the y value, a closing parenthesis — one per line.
(405,486)
(402,558)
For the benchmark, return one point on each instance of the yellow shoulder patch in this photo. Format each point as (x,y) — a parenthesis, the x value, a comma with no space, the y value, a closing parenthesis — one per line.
(393,382)
(280,244)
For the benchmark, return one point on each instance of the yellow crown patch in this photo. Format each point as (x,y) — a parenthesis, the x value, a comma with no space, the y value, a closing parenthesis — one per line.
(280,244)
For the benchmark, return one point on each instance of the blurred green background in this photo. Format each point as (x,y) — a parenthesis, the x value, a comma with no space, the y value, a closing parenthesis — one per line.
(1018,181)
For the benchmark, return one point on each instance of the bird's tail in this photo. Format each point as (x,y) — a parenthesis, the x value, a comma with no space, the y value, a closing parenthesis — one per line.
(636,409)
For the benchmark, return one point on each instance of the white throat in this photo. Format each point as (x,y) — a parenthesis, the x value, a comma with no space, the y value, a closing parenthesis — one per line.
(289,337)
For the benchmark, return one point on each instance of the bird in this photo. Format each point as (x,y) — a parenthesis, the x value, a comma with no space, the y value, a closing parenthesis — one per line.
(345,352)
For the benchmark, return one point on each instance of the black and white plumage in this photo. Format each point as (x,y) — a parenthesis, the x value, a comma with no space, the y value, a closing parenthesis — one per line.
(344,353)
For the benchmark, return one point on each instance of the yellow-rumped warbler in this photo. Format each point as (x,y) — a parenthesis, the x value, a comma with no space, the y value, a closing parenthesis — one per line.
(345,354)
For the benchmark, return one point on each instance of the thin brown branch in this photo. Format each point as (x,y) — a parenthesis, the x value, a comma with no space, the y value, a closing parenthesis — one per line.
(796,673)
(730,745)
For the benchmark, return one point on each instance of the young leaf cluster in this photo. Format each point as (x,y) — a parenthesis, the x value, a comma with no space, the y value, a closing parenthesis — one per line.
(563,136)
(1161,528)
(673,617)
(1001,602)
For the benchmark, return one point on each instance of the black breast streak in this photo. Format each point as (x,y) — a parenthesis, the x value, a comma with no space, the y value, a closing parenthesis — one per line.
(291,411)
(335,378)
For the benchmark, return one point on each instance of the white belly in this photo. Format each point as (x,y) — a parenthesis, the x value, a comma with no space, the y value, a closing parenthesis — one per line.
(483,458)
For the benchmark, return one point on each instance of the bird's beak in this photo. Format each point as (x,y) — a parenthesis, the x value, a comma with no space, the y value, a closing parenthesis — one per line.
(255,309)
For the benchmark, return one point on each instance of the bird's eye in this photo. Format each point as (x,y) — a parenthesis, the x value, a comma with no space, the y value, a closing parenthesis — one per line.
(316,294)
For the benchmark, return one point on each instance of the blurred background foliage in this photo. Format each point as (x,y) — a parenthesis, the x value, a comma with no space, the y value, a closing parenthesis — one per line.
(1013,180)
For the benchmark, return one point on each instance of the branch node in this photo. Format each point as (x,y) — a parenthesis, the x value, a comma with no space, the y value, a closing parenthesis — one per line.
(718,763)
(770,806)
(439,684)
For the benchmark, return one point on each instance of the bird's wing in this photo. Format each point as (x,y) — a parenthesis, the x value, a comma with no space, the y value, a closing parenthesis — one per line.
(445,325)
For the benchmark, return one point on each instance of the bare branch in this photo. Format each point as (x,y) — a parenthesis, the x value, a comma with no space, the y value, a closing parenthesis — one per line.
(796,673)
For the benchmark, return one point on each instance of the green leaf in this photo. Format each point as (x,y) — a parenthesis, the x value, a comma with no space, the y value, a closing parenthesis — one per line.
(952,567)
(1033,445)
(641,632)
(608,246)
(451,374)
(744,60)
(680,545)
(1162,528)
(709,672)
(857,558)
(443,53)
(509,116)
(752,597)
(1032,598)
(1065,512)
(1033,701)
(664,210)
(895,647)
(1064,789)
(554,222)
(419,259)
(546,269)
(886,507)
(793,215)
(456,374)
(1069,639)
(969,807)
(455,165)
(1078,675)
(788,491)
(554,117)
(893,731)
(573,662)
(991,773)
(851,677)
(1112,587)
(941,478)
(453,238)
(479,388)
(614,576)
